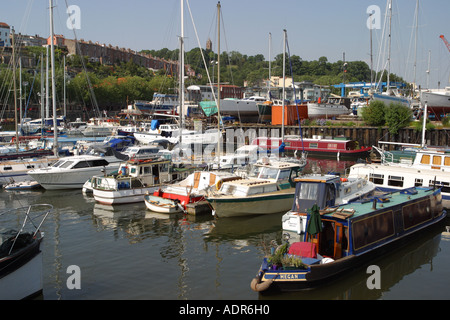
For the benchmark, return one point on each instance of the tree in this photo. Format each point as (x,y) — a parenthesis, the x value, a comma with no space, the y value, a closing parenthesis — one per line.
(374,114)
(397,116)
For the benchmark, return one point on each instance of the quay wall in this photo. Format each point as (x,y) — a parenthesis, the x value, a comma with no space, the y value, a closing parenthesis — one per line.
(366,136)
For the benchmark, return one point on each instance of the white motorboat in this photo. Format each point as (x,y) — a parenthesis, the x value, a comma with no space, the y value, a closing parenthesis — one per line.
(134,179)
(73,171)
(271,191)
(16,170)
(325,191)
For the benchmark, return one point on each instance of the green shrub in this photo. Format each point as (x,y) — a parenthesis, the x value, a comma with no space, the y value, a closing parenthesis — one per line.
(397,116)
(373,115)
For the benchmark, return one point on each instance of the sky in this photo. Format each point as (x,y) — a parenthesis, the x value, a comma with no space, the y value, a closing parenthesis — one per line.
(329,28)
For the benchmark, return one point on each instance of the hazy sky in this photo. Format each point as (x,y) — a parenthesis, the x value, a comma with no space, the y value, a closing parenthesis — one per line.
(314,28)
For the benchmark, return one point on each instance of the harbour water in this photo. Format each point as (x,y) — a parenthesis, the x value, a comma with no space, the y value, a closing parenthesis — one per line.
(127,252)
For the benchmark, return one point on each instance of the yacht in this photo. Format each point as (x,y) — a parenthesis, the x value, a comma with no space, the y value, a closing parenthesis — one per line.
(73,171)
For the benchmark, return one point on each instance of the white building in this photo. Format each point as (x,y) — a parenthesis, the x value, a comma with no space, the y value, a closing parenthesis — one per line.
(4,35)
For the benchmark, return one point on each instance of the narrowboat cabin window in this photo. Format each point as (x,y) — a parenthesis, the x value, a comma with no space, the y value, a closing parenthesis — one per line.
(313,145)
(332,146)
(376,178)
(395,181)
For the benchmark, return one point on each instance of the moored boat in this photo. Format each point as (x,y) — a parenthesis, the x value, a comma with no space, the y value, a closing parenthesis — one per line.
(134,179)
(195,187)
(162,205)
(325,191)
(271,191)
(333,148)
(21,268)
(338,241)
(427,168)
(73,171)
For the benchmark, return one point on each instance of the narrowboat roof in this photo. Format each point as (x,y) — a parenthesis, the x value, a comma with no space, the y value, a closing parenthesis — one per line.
(366,206)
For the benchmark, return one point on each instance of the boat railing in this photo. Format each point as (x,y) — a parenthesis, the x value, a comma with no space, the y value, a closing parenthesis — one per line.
(32,214)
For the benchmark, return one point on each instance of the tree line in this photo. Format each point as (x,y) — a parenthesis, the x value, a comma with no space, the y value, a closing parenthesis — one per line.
(121,83)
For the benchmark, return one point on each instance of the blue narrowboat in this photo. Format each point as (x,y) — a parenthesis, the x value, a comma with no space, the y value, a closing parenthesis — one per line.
(339,239)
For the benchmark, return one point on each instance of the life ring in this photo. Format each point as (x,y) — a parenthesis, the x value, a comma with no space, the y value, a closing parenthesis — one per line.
(219,184)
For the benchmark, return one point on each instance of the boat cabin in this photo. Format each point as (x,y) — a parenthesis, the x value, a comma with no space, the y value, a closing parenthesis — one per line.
(136,174)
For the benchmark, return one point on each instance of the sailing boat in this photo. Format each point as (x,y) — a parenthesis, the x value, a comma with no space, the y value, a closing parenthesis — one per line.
(275,144)
(392,95)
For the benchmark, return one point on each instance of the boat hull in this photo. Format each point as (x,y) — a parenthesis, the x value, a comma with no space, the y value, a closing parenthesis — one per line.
(21,275)
(321,274)
(252,205)
(69,179)
(162,205)
(372,234)
(122,196)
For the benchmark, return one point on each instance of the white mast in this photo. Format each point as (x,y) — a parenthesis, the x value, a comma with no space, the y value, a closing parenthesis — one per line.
(218,78)
(181,71)
(52,52)
(15,93)
(389,50)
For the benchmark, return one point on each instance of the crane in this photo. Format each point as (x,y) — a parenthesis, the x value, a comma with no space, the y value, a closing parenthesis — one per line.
(445,41)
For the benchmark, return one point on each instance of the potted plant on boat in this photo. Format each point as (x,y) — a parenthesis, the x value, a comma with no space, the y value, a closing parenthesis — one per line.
(276,258)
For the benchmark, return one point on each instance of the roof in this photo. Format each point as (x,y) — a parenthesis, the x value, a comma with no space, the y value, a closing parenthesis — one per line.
(4,25)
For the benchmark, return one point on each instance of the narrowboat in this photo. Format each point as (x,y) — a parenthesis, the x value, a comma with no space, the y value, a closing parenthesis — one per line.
(340,239)
(334,148)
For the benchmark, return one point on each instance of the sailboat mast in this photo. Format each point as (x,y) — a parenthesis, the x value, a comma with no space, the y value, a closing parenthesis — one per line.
(389,46)
(52,54)
(14,84)
(284,84)
(270,64)
(181,71)
(218,78)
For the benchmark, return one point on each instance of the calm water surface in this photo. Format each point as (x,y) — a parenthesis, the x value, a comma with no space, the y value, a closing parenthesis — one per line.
(128,252)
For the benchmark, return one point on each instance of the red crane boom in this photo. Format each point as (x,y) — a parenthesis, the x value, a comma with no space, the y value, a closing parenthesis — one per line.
(445,41)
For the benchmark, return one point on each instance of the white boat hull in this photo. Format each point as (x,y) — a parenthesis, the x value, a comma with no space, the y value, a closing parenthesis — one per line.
(23,282)
(161,205)
(122,196)
(69,179)
(256,205)
(318,110)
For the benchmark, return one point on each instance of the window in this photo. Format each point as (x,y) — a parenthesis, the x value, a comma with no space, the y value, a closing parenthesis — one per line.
(395,181)
(313,145)
(376,178)
(66,164)
(308,191)
(437,160)
(332,146)
(418,182)
(425,159)
(446,161)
